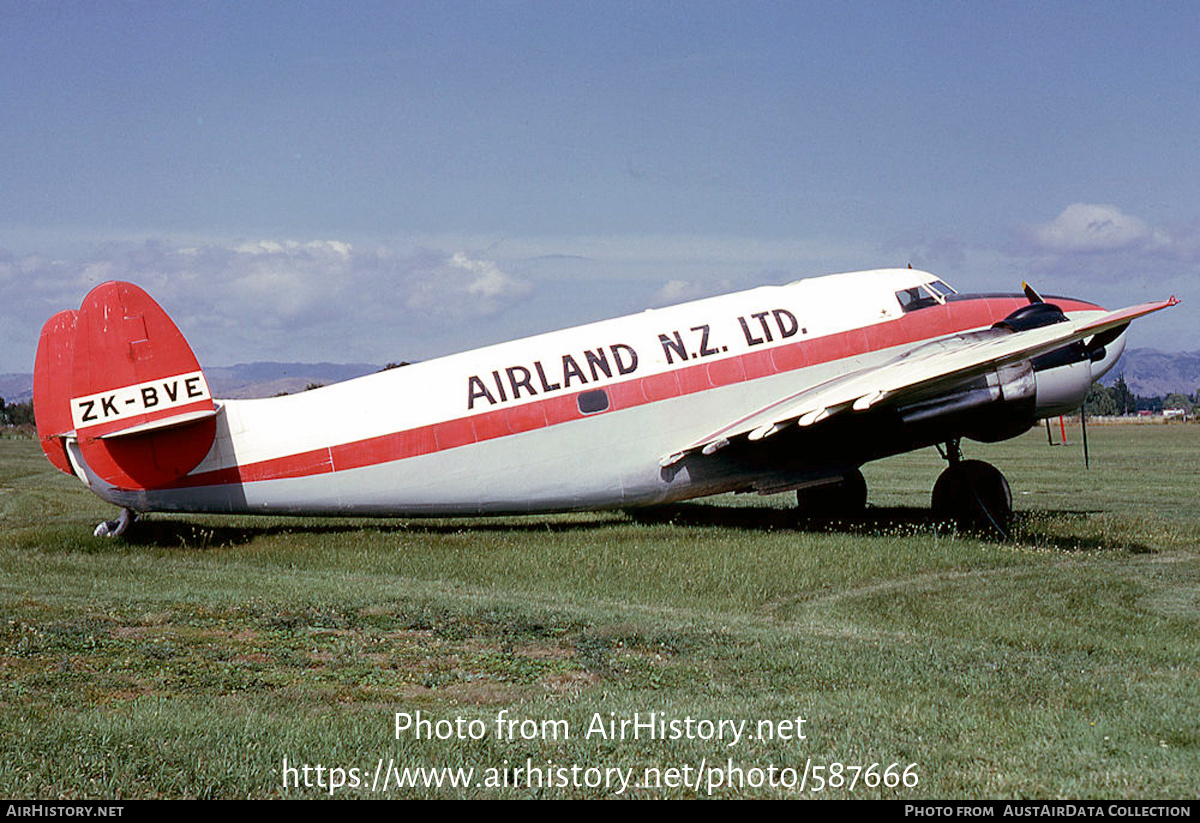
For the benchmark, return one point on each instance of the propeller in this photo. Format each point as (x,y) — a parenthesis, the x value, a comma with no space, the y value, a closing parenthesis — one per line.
(1094,349)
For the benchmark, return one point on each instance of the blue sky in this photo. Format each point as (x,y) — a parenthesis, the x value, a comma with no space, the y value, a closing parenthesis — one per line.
(380,181)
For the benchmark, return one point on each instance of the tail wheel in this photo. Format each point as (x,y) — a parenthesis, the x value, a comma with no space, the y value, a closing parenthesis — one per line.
(974,495)
(846,497)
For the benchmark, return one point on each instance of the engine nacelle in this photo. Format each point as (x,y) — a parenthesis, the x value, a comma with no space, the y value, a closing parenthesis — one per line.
(1062,385)
(1008,401)
(1063,376)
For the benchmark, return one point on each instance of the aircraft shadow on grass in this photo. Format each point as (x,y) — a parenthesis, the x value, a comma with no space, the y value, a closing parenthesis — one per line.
(161,531)
(895,521)
(1027,527)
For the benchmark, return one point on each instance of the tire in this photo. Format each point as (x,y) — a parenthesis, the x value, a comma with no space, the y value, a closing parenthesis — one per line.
(975,496)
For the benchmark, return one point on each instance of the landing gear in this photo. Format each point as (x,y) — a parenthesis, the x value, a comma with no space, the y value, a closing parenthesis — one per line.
(115,528)
(972,494)
(846,497)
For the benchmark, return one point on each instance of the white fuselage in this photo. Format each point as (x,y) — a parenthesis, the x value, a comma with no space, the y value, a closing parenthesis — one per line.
(574,419)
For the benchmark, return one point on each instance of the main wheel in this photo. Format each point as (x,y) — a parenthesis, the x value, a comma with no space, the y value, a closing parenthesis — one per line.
(846,497)
(974,495)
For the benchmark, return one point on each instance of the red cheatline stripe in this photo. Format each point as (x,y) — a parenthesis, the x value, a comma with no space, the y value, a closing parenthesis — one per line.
(936,321)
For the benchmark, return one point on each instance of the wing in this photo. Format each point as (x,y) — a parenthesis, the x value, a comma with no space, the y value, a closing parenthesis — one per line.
(918,372)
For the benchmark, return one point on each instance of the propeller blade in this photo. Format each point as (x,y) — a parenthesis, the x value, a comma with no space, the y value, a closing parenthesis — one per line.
(1031,293)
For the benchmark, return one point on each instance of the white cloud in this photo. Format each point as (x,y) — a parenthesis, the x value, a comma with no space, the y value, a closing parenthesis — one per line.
(1088,228)
(1100,244)
(418,297)
(414,297)
(292,248)
(674,291)
(456,286)
(270,299)
(681,291)
(485,279)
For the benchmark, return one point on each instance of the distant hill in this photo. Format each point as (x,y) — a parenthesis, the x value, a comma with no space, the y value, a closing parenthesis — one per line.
(1152,373)
(16,388)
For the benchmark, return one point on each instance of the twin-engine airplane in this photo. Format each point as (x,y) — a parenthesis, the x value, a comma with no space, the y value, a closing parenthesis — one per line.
(773,389)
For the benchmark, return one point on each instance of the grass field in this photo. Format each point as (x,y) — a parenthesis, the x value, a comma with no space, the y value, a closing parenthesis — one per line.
(195,656)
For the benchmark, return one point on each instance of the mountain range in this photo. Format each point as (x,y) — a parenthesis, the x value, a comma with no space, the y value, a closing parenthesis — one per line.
(1147,372)
(1152,373)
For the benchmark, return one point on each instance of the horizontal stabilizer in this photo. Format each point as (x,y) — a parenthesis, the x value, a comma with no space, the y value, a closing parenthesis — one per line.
(175,421)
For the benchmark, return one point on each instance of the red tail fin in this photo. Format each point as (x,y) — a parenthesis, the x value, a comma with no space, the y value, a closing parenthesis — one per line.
(52,386)
(138,402)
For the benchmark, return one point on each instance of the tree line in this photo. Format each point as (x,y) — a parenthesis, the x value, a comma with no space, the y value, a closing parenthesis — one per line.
(1118,399)
(16,414)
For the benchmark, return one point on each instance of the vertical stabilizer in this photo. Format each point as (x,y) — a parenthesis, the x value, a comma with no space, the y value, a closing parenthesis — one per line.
(139,405)
(52,387)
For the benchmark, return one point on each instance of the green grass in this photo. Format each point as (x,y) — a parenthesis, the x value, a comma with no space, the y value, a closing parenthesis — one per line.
(191,658)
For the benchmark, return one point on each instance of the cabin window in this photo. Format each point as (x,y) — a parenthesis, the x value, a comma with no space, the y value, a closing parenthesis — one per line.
(941,288)
(593,402)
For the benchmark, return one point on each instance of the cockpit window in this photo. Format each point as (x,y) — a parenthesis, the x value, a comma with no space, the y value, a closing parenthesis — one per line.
(918,297)
(924,295)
